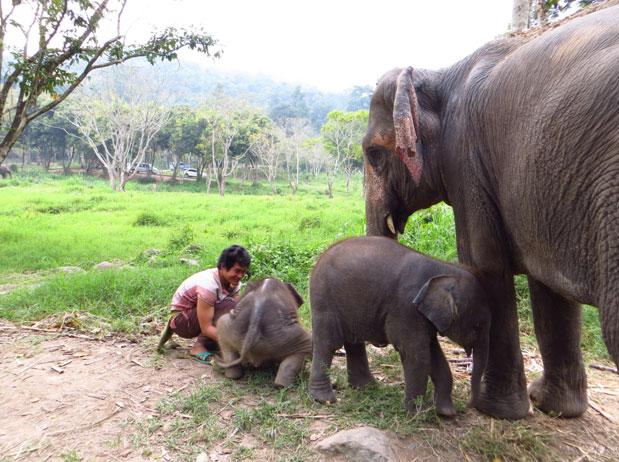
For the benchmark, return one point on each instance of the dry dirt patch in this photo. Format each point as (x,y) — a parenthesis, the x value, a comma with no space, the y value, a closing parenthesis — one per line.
(74,397)
(63,395)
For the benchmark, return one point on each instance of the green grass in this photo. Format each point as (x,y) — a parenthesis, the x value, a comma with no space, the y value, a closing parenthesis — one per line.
(49,221)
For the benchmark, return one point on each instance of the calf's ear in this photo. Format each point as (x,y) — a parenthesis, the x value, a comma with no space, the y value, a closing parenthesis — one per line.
(435,301)
(295,294)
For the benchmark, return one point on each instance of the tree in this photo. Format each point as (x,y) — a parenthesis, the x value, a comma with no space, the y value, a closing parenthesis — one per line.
(118,129)
(341,135)
(359,98)
(69,46)
(317,157)
(267,148)
(520,15)
(535,13)
(228,121)
(297,131)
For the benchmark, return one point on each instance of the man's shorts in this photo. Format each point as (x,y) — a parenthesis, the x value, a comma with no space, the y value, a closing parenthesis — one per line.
(185,324)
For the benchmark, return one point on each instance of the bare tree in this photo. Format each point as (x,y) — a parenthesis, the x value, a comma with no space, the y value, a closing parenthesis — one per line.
(341,134)
(316,157)
(267,148)
(119,129)
(227,122)
(297,132)
(50,39)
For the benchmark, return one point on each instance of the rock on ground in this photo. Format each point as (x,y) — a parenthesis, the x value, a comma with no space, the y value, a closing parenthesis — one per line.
(359,444)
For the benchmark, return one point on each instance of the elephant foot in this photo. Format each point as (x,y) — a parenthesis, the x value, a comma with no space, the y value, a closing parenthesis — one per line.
(234,372)
(322,396)
(445,407)
(511,407)
(562,401)
(417,406)
(284,383)
(360,381)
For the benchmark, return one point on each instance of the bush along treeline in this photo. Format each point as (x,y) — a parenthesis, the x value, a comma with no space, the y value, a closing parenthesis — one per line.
(126,126)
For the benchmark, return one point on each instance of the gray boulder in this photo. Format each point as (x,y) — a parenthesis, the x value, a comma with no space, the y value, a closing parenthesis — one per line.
(365,444)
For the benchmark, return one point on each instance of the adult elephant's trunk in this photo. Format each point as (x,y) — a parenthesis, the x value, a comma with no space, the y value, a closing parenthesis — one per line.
(480,361)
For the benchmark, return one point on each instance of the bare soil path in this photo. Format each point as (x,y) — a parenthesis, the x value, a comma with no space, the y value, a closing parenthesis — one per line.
(73,397)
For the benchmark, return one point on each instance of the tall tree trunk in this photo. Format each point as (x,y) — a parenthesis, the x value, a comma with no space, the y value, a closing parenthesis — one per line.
(66,165)
(221,183)
(520,15)
(540,13)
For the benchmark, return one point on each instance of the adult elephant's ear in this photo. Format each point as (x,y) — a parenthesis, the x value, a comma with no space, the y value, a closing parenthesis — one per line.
(435,301)
(406,124)
(295,294)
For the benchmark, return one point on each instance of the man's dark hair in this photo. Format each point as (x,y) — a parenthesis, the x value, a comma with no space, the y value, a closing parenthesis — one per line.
(234,254)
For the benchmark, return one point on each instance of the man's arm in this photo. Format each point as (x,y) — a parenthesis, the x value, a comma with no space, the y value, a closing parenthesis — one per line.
(205,318)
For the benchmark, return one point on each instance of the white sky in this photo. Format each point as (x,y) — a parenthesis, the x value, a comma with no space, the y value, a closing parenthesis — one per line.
(334,44)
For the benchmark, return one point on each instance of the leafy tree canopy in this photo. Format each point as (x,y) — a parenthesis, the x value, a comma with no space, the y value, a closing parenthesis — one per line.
(60,44)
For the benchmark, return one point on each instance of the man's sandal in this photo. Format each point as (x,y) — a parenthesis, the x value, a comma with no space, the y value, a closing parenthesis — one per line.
(203,357)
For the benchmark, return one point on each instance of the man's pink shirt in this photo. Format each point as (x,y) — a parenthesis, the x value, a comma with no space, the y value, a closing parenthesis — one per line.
(205,285)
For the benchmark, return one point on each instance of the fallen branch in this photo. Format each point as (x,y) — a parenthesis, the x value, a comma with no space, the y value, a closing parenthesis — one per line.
(306,416)
(17,455)
(460,360)
(50,331)
(601,412)
(86,427)
(135,361)
(603,368)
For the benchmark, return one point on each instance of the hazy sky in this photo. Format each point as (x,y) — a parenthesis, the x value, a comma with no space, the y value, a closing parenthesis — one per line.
(335,44)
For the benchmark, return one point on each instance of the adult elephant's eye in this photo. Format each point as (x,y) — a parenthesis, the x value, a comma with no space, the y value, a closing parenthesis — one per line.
(374,156)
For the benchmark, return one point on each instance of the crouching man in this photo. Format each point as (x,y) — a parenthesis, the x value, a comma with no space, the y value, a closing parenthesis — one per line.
(203,298)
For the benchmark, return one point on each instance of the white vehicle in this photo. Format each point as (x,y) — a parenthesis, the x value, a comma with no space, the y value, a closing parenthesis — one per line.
(146,168)
(191,173)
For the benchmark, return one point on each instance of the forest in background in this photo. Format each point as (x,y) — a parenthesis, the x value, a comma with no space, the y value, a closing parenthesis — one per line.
(183,116)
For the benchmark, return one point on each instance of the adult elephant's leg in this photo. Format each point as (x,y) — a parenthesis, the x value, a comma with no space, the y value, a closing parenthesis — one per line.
(359,374)
(610,327)
(562,390)
(289,369)
(504,390)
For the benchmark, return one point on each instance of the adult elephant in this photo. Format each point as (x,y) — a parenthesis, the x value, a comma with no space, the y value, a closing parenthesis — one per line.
(521,138)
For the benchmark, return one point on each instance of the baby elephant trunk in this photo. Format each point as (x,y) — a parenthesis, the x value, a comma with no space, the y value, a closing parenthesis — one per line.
(480,361)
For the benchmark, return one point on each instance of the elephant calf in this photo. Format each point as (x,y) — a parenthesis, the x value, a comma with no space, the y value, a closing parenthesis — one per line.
(263,327)
(374,289)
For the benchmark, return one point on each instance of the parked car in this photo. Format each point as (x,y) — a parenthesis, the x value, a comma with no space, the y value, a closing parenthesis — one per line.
(182,166)
(190,173)
(146,168)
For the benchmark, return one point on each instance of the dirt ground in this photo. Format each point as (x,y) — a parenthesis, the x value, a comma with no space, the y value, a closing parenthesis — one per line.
(73,394)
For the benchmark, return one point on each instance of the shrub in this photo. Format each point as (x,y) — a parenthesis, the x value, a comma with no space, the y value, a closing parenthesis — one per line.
(149,219)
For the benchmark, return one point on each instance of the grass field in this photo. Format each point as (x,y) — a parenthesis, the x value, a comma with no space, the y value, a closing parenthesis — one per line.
(49,221)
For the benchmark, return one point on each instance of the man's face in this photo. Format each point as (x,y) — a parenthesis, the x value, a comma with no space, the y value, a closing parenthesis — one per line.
(232,276)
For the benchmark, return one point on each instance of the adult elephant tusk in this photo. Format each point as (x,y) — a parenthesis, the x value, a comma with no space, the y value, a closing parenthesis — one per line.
(390,224)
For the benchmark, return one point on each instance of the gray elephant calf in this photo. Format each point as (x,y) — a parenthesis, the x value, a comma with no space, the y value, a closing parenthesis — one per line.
(264,327)
(374,289)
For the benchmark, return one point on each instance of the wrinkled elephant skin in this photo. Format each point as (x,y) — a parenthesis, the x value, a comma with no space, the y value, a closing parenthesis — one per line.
(376,290)
(262,328)
(521,138)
